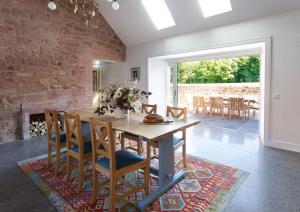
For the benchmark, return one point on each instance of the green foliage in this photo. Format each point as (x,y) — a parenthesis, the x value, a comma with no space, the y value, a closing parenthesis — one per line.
(237,69)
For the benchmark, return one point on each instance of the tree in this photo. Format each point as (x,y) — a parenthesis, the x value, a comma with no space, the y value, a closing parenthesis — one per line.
(237,69)
(248,69)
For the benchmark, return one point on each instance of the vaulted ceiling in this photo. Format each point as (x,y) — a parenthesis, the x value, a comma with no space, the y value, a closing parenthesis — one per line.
(133,25)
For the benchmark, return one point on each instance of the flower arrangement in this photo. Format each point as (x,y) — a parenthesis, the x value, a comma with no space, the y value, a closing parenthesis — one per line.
(121,96)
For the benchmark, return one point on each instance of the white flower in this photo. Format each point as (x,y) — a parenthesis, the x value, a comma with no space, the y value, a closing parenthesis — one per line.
(118,93)
(130,95)
(103,97)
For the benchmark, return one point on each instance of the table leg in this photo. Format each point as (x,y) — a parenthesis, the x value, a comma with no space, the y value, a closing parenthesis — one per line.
(167,178)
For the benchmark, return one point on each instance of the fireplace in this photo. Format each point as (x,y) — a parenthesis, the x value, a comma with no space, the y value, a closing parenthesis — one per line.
(33,119)
(37,125)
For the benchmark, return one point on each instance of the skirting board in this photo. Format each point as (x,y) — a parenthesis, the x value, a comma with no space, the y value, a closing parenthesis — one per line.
(283,145)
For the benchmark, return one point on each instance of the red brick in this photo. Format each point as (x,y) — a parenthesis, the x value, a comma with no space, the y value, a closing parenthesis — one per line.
(47,56)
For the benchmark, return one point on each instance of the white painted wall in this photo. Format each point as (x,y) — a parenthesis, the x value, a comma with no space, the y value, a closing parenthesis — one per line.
(158,88)
(285,32)
(112,73)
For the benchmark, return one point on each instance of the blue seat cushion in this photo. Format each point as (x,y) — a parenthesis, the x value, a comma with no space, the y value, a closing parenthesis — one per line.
(87,147)
(86,131)
(123,159)
(63,138)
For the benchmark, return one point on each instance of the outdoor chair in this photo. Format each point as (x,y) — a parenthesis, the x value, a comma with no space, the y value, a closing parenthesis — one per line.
(216,106)
(199,102)
(237,105)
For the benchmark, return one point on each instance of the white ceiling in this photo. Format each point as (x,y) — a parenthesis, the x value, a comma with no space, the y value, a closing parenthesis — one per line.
(133,25)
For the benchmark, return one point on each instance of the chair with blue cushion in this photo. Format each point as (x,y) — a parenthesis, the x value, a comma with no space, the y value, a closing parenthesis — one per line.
(56,138)
(179,138)
(79,146)
(114,164)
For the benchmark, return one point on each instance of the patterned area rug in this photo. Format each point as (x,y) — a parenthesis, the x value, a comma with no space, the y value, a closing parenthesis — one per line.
(208,186)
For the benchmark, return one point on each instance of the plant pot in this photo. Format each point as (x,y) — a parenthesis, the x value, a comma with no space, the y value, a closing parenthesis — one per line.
(121,114)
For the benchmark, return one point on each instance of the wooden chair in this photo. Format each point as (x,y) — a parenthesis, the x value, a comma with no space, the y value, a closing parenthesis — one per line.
(179,138)
(114,164)
(199,102)
(56,138)
(254,106)
(216,106)
(149,109)
(237,105)
(79,146)
(146,109)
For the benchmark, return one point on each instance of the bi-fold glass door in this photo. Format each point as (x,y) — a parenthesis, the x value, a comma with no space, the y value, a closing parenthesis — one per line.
(172,84)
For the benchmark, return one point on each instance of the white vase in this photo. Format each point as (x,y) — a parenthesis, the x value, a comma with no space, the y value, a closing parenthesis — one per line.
(120,114)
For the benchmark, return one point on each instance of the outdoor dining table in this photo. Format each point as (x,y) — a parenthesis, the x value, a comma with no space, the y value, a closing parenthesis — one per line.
(163,133)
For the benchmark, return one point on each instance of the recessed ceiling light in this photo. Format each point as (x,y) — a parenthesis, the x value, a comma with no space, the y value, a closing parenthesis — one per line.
(214,7)
(159,13)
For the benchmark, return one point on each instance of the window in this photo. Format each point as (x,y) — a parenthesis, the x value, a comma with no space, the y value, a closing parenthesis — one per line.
(159,13)
(214,7)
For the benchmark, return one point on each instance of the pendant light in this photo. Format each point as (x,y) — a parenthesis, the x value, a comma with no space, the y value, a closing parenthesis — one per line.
(52,5)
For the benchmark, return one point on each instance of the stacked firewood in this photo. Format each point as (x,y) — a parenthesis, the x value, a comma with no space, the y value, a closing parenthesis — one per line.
(38,128)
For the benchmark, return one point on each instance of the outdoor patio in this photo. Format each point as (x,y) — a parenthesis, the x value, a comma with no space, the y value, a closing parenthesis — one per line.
(251,125)
(188,94)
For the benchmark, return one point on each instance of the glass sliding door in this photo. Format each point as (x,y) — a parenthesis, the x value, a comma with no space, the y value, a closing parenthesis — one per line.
(172,86)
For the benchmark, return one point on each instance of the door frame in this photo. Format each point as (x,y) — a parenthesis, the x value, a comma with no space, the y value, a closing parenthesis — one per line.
(172,67)
(265,47)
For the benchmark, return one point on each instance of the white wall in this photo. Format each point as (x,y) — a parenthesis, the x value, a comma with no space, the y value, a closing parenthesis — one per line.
(285,80)
(158,88)
(112,73)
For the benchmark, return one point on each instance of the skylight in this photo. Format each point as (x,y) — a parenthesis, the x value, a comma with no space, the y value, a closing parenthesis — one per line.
(214,7)
(159,13)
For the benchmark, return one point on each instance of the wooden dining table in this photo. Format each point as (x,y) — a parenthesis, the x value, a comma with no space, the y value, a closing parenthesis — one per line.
(163,133)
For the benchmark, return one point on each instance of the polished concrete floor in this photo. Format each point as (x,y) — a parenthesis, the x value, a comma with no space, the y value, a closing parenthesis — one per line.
(251,125)
(272,185)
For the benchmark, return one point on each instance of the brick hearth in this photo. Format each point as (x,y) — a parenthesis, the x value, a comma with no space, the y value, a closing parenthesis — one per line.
(45,57)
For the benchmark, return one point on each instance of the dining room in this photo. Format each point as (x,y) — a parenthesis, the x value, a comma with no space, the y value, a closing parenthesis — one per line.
(104,111)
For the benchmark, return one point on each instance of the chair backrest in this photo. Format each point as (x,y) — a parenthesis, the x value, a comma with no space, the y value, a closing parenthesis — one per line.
(177,112)
(53,130)
(74,131)
(216,102)
(196,101)
(103,142)
(236,103)
(201,100)
(149,109)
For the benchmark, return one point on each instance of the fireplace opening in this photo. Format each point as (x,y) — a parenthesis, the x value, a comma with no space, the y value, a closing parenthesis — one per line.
(38,125)
(33,121)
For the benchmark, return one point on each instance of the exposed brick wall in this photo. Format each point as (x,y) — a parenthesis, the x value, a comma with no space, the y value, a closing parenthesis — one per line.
(46,56)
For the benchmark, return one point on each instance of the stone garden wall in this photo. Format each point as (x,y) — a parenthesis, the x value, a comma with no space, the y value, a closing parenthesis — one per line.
(246,90)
